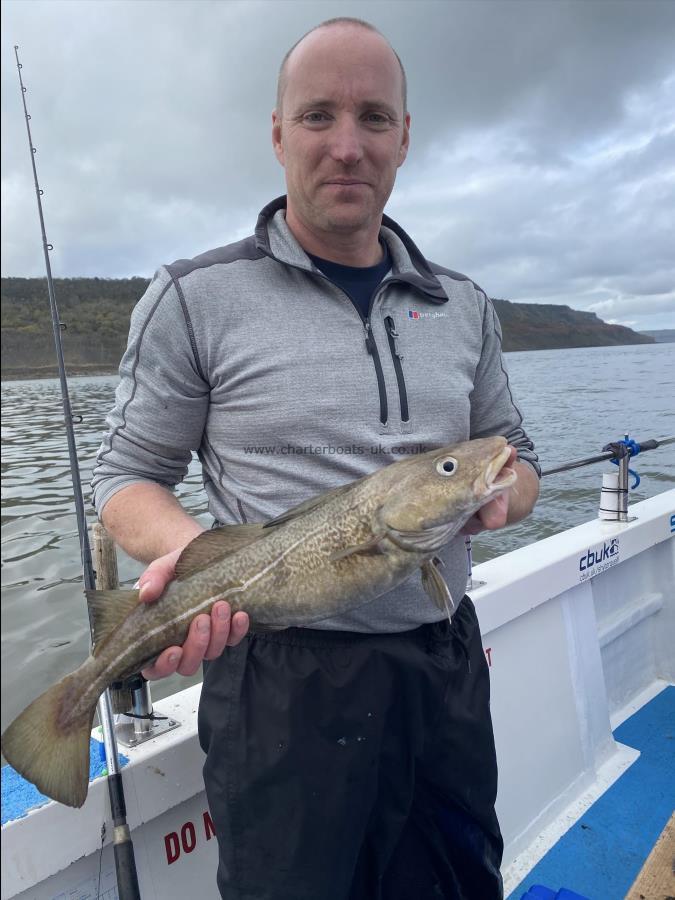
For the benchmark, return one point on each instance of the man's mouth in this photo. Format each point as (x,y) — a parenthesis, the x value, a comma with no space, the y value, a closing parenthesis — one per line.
(345,182)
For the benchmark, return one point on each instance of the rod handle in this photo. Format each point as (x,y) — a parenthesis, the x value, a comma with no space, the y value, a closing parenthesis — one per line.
(125,866)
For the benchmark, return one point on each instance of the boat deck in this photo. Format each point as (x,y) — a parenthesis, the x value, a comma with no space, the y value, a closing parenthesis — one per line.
(602,853)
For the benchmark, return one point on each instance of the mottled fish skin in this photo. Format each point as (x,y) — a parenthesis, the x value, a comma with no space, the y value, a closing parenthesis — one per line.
(353,545)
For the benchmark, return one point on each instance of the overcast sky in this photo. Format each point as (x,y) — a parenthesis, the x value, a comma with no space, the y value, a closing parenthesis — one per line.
(542,158)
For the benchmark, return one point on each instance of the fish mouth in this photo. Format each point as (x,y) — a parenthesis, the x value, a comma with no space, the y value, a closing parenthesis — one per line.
(496,478)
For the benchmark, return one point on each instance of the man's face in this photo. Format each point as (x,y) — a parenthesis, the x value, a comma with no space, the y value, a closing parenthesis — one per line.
(342,132)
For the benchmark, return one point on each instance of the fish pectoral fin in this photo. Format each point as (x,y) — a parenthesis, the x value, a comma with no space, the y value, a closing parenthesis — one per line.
(368,548)
(426,540)
(108,609)
(309,505)
(212,546)
(435,586)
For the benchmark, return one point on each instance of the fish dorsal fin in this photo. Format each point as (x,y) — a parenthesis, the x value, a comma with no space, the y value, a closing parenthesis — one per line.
(108,609)
(309,505)
(210,546)
(435,586)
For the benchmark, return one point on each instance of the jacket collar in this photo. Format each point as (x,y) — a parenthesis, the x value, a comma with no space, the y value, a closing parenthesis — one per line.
(274,238)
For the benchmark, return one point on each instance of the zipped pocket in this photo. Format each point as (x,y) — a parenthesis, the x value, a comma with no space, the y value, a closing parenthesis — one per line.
(371,347)
(392,335)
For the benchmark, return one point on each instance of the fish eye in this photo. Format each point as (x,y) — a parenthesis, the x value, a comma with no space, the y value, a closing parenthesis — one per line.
(447,466)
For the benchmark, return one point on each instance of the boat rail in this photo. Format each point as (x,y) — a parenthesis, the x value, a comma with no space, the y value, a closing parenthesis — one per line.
(578,631)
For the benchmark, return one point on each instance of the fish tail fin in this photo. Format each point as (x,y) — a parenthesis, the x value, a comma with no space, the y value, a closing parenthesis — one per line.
(49,742)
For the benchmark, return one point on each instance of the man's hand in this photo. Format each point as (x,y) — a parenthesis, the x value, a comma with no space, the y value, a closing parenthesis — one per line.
(510,506)
(489,517)
(208,635)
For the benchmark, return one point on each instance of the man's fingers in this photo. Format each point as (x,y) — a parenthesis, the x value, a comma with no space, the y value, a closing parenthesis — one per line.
(156,577)
(220,630)
(166,664)
(195,645)
(226,630)
(473,526)
(238,629)
(489,517)
(150,588)
(207,638)
(493,514)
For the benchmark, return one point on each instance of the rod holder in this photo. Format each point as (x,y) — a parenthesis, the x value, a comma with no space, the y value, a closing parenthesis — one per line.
(139,723)
(614,494)
(471,583)
(142,706)
(140,710)
(610,502)
(469,562)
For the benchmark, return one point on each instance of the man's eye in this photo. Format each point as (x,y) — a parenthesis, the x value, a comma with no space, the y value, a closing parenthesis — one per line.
(377,118)
(313,117)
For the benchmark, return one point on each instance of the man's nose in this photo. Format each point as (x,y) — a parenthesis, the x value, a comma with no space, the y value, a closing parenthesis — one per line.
(346,146)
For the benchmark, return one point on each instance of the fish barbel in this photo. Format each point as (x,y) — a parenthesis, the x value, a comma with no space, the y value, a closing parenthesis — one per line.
(326,556)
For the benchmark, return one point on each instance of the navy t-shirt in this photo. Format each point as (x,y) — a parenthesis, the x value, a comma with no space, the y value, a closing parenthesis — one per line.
(359,282)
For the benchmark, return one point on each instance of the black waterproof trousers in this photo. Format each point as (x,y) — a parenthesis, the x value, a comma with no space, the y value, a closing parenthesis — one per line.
(346,766)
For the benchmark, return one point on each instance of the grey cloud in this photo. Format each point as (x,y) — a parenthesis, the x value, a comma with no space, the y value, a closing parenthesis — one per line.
(542,141)
(625,306)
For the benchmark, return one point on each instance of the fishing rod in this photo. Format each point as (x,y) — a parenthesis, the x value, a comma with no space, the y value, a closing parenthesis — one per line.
(632,449)
(125,863)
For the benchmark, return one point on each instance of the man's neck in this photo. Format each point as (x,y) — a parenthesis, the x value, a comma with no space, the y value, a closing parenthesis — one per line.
(360,248)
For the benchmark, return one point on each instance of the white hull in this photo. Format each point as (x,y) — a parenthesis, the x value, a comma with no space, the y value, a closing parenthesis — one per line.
(578,630)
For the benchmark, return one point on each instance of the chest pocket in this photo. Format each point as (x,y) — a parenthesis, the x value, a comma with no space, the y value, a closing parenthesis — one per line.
(433,367)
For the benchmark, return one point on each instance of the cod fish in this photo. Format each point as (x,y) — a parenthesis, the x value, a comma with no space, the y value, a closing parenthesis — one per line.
(326,556)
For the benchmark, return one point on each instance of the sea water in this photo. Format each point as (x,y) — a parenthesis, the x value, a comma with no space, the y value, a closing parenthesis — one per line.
(573,402)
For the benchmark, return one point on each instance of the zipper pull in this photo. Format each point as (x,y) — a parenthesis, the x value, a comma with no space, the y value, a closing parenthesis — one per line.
(370,342)
(393,334)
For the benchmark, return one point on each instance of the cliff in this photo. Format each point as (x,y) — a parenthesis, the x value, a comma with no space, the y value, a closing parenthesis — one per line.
(547,326)
(96,313)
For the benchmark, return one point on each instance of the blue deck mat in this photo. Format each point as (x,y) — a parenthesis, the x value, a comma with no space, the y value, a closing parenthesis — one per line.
(20,796)
(601,855)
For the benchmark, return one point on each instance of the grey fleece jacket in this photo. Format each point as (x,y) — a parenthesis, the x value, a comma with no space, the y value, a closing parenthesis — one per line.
(252,357)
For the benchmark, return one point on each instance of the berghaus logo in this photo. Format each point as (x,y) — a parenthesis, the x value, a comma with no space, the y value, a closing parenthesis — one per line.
(416,314)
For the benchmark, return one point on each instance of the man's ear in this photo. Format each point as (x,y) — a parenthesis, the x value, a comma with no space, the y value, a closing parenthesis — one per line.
(405,140)
(276,136)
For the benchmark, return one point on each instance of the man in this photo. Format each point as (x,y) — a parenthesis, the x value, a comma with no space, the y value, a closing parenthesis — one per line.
(354,760)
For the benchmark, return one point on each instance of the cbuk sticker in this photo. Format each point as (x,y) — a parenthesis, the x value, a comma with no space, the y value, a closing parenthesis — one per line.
(599,558)
(672,524)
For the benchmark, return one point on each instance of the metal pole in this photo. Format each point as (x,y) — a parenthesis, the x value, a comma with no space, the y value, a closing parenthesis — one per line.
(623,487)
(125,865)
(469,562)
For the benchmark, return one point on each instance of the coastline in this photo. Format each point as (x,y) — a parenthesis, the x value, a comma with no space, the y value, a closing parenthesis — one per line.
(31,373)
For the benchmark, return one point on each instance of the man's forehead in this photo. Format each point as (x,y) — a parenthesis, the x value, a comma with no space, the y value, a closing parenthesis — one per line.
(343,46)
(343,51)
